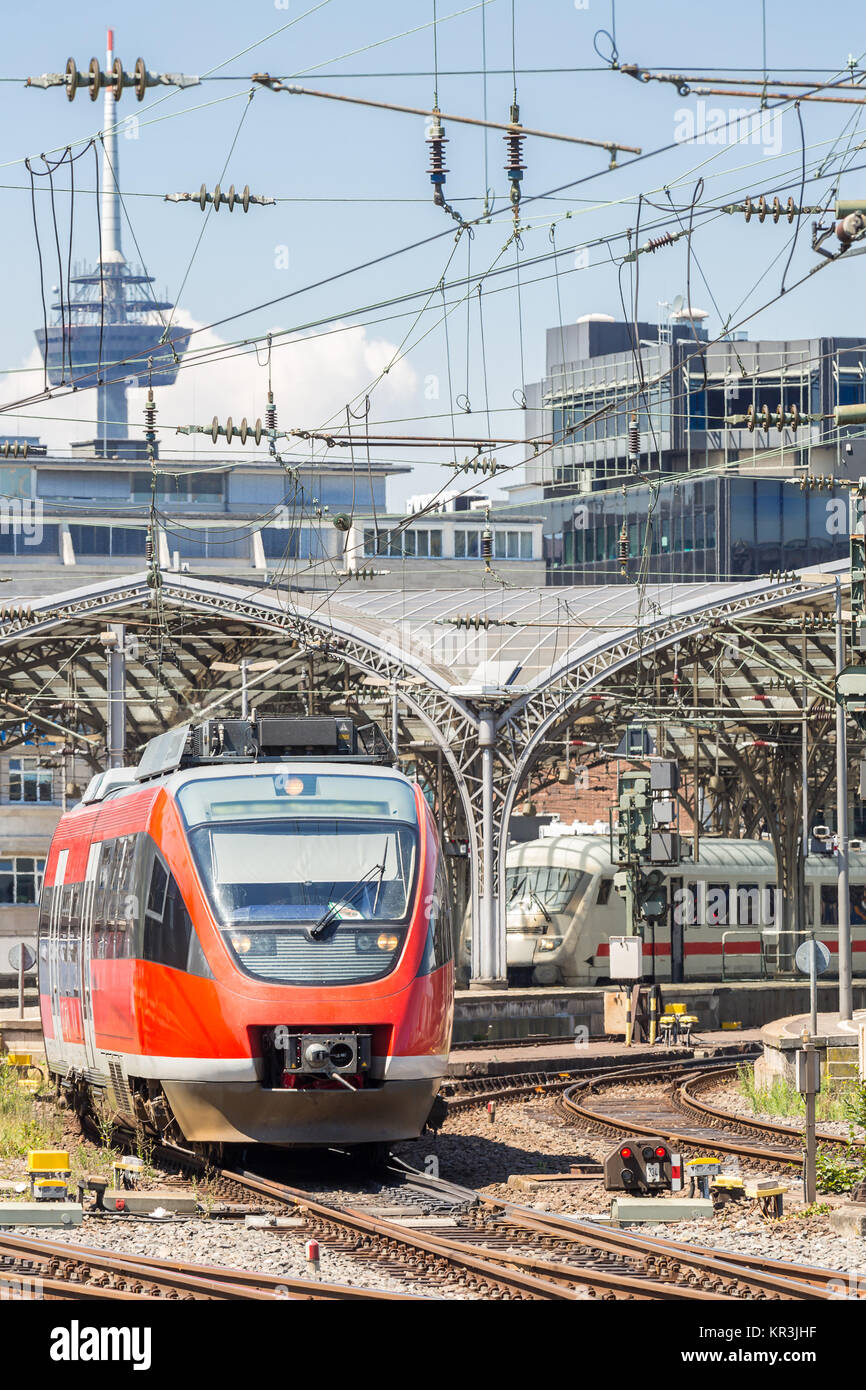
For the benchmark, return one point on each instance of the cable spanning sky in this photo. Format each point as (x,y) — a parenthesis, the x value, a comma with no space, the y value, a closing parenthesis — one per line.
(351,186)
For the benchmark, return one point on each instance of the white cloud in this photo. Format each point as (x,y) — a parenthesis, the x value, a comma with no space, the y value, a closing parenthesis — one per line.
(313,379)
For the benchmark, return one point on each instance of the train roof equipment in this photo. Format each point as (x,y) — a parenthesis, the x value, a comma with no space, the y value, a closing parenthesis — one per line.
(264,738)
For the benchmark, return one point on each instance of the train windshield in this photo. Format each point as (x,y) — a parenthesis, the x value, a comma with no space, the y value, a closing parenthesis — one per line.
(279,855)
(547,885)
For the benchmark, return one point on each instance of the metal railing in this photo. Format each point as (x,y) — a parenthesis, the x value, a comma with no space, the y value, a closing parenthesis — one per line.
(767,939)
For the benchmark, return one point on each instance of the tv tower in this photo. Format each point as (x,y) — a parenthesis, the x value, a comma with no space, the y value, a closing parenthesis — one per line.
(109,332)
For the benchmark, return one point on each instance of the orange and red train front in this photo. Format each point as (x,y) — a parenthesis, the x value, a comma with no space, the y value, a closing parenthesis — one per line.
(285,970)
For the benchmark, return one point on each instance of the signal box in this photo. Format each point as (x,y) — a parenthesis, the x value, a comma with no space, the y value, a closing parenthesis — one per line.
(639,1165)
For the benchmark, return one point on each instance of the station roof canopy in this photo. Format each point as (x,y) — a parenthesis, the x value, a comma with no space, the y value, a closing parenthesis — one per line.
(516,648)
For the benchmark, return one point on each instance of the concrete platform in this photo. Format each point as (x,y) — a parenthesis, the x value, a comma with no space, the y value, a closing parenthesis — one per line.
(22,1034)
(559,1011)
(837,1039)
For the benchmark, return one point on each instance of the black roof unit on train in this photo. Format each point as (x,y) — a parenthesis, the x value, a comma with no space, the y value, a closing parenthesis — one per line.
(264,738)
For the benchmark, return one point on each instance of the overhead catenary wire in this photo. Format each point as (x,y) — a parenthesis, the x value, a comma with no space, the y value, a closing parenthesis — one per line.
(611,146)
(428,239)
(310,287)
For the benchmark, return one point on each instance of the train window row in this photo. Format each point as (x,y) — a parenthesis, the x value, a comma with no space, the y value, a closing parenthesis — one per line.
(830,904)
(438,948)
(743,904)
(130,874)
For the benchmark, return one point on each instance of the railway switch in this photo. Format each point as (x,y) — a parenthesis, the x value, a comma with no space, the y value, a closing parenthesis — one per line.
(639,1165)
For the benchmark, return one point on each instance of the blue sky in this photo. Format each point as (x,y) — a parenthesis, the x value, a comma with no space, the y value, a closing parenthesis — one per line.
(352,185)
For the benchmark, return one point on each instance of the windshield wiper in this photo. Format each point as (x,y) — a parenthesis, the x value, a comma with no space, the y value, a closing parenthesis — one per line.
(534,897)
(317,931)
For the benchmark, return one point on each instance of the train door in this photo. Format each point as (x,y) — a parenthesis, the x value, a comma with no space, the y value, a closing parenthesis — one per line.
(675,916)
(753,942)
(88,897)
(55,964)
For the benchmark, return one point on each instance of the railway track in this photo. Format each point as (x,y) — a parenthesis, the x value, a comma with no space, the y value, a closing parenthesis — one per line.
(533,1040)
(462,1093)
(487,1247)
(657,1102)
(500,1250)
(31,1266)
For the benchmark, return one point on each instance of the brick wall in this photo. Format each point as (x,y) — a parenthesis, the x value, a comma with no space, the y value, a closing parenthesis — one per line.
(594,801)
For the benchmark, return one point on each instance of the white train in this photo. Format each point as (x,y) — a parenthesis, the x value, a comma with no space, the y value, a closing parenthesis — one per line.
(723,919)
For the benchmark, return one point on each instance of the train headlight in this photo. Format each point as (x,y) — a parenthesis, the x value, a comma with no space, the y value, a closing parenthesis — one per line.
(240,943)
(364,942)
(549,943)
(388,941)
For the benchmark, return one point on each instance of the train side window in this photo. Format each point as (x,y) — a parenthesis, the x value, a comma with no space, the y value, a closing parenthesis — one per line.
(128,906)
(686,905)
(167,924)
(75,907)
(857,899)
(42,929)
(830,904)
(604,892)
(717,904)
(101,895)
(438,948)
(70,975)
(158,885)
(747,897)
(112,919)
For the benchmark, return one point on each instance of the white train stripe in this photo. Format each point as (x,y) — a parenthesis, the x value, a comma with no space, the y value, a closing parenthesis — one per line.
(414,1068)
(248,1069)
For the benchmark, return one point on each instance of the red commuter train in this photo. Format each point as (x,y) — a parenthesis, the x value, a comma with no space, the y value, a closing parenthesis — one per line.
(248,937)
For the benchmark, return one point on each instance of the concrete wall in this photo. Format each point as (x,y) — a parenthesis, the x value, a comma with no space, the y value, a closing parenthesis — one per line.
(557,1013)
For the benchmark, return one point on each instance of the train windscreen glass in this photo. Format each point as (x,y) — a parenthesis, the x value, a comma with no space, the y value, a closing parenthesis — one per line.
(552,887)
(310,876)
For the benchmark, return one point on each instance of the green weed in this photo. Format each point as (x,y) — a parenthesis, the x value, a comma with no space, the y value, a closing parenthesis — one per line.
(24,1122)
(839,1171)
(839,1100)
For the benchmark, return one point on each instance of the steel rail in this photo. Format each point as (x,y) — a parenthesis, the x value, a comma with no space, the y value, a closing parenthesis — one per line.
(691,1103)
(757,1275)
(460,1093)
(198,1280)
(728,1276)
(618,1124)
(658,1269)
(529,1277)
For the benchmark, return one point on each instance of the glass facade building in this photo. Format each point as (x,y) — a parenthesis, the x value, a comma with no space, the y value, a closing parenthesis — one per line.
(708,528)
(720,500)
